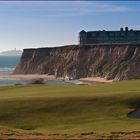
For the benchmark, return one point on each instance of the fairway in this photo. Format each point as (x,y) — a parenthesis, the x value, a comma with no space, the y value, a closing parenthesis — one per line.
(70,109)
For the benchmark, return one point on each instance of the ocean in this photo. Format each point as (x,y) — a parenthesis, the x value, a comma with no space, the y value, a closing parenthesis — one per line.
(7,66)
(8,63)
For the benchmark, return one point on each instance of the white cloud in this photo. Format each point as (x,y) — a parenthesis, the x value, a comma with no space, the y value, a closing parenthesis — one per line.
(66,8)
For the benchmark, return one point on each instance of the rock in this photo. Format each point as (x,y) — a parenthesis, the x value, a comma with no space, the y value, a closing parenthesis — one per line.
(112,61)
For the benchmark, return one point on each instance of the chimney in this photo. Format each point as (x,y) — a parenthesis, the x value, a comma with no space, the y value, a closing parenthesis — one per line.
(126,29)
(121,29)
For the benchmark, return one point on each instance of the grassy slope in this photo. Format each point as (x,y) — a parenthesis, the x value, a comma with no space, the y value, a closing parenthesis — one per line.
(70,109)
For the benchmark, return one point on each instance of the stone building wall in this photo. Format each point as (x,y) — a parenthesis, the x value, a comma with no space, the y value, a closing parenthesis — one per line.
(122,36)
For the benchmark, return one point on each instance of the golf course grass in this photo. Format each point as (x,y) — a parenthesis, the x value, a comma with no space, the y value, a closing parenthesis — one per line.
(70,109)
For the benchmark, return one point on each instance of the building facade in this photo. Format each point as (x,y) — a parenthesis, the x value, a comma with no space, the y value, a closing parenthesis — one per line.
(122,36)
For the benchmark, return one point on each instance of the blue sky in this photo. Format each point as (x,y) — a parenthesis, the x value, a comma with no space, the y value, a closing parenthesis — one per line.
(45,24)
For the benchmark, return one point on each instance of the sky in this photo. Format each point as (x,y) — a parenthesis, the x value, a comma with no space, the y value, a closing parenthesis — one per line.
(34,24)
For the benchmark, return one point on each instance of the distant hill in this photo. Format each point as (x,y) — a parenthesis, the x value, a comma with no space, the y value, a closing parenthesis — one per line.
(11,52)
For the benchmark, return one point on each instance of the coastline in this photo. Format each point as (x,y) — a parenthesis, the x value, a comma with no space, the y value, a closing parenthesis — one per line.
(95,80)
(81,81)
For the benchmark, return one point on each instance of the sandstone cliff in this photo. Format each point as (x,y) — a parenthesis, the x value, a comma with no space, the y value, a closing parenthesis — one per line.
(116,61)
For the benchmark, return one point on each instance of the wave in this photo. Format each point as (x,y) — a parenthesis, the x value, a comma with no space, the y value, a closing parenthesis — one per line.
(5,70)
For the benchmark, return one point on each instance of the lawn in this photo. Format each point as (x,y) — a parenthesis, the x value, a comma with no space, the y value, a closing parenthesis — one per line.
(71,108)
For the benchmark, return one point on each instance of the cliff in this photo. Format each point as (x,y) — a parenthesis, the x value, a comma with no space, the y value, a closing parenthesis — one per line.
(112,61)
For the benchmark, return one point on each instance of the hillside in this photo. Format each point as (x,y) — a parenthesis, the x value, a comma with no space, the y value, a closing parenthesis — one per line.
(112,61)
(73,110)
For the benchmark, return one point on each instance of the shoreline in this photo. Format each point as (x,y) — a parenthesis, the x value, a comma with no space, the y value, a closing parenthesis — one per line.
(81,81)
(95,79)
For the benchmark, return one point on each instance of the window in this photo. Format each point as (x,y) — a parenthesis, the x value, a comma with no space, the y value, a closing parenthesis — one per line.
(111,34)
(93,34)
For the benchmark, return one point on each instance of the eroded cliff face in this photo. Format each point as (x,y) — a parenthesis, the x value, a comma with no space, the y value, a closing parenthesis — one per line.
(114,61)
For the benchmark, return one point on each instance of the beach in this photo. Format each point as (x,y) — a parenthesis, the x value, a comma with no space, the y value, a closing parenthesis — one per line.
(88,80)
(95,79)
(27,76)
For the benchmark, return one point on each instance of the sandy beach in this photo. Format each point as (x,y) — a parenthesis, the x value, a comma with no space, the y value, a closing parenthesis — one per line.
(88,80)
(95,79)
(27,76)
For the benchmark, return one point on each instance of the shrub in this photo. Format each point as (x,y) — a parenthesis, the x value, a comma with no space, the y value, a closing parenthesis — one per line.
(37,81)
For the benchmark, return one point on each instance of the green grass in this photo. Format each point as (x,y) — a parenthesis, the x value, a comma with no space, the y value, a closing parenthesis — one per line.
(70,109)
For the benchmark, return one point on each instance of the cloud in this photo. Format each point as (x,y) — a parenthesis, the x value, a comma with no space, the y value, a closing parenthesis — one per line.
(102,7)
(64,8)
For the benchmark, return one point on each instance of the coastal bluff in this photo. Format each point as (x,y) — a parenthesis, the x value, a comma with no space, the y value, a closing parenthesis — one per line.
(111,61)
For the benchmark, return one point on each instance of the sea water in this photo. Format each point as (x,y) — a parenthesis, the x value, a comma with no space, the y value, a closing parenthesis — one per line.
(7,66)
(8,63)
